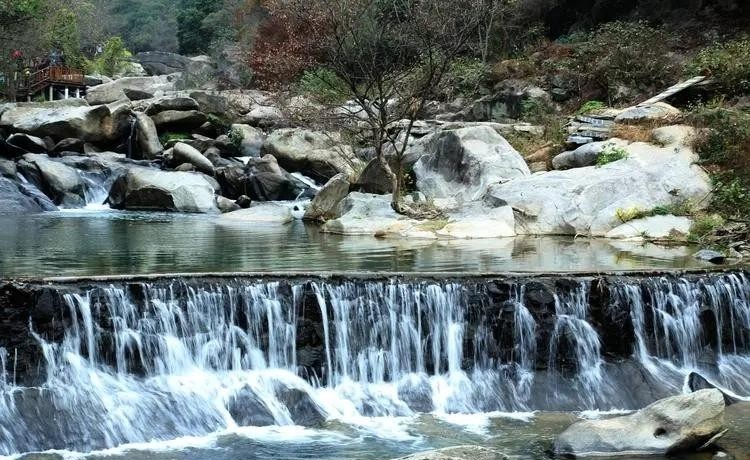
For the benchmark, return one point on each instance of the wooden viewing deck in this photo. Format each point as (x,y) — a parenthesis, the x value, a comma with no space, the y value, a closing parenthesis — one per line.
(62,77)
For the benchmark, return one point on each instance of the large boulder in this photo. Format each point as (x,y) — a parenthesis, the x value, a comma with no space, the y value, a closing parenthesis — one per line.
(585,155)
(92,124)
(458,453)
(316,154)
(477,221)
(28,143)
(374,179)
(658,112)
(462,163)
(184,153)
(589,201)
(324,204)
(15,199)
(179,103)
(262,179)
(366,214)
(150,189)
(115,90)
(149,145)
(251,139)
(62,183)
(162,62)
(178,120)
(654,227)
(672,425)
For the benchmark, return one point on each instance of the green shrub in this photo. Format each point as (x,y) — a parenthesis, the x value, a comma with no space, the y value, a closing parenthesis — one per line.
(114,59)
(169,136)
(704,226)
(221,123)
(610,155)
(723,147)
(678,208)
(632,54)
(591,107)
(728,65)
(324,86)
(464,77)
(236,137)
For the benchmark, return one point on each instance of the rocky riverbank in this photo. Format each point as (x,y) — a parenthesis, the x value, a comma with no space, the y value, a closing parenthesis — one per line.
(140,144)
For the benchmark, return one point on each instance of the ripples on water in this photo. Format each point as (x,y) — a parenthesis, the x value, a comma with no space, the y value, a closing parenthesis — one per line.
(97,242)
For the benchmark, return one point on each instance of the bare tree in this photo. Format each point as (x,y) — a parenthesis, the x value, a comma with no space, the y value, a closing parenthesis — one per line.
(390,57)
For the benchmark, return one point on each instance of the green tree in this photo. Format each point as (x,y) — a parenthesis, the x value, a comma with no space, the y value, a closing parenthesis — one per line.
(194,33)
(114,59)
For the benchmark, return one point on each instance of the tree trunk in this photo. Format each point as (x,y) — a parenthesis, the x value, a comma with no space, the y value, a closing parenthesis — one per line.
(396,197)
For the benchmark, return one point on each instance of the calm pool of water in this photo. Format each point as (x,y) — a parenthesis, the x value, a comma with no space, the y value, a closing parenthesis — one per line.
(110,243)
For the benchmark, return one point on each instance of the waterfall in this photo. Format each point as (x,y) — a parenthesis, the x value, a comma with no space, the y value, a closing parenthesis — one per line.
(132,135)
(166,359)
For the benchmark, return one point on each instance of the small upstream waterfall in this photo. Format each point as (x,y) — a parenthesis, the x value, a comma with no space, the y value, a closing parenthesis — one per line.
(96,189)
(159,361)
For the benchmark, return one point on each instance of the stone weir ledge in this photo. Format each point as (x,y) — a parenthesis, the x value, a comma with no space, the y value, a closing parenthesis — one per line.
(557,326)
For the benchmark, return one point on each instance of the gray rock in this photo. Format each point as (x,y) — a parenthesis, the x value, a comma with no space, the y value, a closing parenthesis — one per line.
(151,189)
(28,143)
(302,408)
(658,227)
(69,145)
(185,167)
(583,156)
(458,453)
(710,256)
(260,213)
(177,120)
(91,124)
(14,201)
(149,145)
(137,94)
(262,179)
(640,114)
(374,179)
(463,163)
(179,103)
(364,214)
(263,117)
(252,140)
(672,425)
(697,382)
(587,201)
(324,204)
(9,151)
(247,409)
(8,169)
(184,153)
(162,62)
(315,154)
(226,205)
(115,90)
(57,180)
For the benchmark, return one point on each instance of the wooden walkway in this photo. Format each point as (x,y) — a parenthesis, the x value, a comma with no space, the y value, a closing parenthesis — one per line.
(66,78)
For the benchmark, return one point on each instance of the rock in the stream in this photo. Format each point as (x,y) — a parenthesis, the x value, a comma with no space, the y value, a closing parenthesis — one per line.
(262,179)
(247,409)
(324,204)
(462,163)
(315,154)
(697,382)
(57,180)
(150,189)
(587,201)
(149,145)
(15,200)
(708,255)
(672,425)
(252,140)
(374,179)
(458,453)
(302,408)
(654,227)
(366,214)
(164,103)
(184,153)
(261,213)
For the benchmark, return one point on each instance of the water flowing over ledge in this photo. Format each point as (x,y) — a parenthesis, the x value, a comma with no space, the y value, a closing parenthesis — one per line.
(98,363)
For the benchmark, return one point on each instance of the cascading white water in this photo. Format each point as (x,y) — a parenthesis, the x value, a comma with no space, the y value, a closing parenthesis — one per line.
(167,360)
(674,341)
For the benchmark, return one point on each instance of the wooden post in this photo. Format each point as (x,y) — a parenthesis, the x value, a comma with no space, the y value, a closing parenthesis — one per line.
(78,93)
(67,92)
(51,93)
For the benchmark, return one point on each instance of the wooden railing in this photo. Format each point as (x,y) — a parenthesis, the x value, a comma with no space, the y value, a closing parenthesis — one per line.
(60,75)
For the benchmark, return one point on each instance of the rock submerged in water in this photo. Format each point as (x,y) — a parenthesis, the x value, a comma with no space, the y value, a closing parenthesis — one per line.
(458,453)
(153,190)
(676,424)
